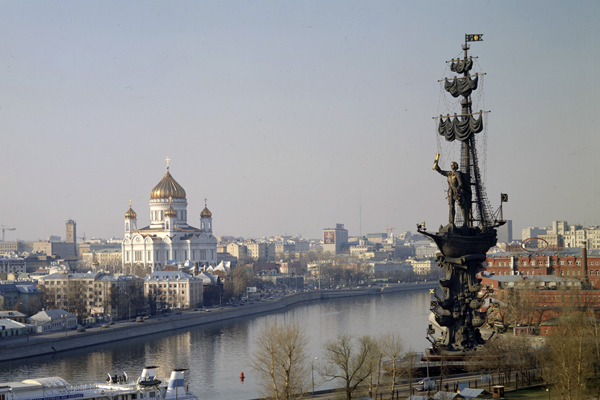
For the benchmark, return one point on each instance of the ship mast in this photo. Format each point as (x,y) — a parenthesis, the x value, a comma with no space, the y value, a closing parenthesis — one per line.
(465,162)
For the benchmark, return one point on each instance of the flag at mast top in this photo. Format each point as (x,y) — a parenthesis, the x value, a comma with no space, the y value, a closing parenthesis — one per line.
(476,37)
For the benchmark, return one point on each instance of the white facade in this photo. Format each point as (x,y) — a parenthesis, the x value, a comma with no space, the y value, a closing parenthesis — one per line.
(422,267)
(168,238)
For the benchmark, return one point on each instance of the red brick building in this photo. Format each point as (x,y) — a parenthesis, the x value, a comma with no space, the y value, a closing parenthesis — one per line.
(543,297)
(575,263)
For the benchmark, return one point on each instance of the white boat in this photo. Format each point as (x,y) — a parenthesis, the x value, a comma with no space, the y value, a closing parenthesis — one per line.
(116,387)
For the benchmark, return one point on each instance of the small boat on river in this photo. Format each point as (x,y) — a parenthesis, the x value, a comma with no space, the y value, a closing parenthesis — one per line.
(116,387)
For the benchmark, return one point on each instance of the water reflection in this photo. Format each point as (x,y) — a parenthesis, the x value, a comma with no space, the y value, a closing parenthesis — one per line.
(217,353)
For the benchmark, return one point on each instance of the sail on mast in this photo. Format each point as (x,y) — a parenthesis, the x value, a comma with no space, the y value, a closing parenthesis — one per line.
(463,127)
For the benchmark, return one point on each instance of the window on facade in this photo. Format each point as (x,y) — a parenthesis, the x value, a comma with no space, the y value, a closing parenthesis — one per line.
(562,273)
(578,273)
(562,263)
(540,263)
(570,262)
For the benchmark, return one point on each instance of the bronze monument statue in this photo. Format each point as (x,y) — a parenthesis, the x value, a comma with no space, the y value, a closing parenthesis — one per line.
(456,314)
(459,191)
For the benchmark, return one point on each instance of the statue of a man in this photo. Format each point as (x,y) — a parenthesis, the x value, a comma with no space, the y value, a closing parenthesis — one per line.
(459,191)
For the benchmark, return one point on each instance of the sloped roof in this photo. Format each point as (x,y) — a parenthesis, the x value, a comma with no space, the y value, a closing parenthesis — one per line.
(10,324)
(207,278)
(50,315)
(168,275)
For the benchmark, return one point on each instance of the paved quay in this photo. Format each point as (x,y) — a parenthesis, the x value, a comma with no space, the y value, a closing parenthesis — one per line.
(50,343)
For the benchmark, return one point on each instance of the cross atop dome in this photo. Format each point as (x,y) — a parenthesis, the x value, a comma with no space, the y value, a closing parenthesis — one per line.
(167,160)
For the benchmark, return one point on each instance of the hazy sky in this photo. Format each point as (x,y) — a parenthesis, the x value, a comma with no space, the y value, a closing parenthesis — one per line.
(289,116)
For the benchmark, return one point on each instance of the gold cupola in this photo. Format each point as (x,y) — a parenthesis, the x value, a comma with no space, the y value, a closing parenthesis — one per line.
(130,214)
(170,211)
(206,212)
(167,188)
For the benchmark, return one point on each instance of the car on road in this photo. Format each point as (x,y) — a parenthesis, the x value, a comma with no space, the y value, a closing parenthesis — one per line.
(426,384)
(81,329)
(104,326)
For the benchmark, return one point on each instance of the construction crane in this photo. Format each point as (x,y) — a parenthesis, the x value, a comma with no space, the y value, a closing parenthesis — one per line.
(6,229)
(389,230)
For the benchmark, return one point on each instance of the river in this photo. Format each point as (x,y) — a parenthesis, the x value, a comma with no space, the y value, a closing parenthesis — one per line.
(217,353)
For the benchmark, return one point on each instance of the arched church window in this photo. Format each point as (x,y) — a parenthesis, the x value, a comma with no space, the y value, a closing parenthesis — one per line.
(167,224)
(127,226)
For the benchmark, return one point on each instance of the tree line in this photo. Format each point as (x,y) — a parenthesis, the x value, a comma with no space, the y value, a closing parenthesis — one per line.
(567,362)
(365,365)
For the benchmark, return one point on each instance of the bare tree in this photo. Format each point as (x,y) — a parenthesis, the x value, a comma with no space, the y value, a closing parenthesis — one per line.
(76,297)
(520,305)
(394,353)
(241,277)
(569,356)
(280,361)
(349,361)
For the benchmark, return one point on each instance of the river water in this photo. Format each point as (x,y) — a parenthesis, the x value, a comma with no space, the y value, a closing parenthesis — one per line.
(217,353)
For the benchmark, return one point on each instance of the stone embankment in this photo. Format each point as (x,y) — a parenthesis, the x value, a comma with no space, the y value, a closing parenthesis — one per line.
(45,344)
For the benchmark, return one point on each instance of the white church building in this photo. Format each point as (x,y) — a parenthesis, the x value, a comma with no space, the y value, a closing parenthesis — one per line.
(168,239)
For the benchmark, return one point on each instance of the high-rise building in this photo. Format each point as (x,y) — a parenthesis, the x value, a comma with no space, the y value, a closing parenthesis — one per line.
(335,240)
(71,229)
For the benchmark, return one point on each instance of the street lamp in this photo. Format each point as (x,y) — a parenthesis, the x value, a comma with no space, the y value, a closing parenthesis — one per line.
(312,372)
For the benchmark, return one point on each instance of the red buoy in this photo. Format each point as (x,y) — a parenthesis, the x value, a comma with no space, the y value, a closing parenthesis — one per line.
(242,377)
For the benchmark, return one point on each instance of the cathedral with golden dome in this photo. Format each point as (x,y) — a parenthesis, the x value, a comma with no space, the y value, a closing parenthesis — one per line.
(168,239)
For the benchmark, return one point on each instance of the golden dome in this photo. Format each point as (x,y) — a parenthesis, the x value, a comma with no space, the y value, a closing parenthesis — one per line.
(170,212)
(166,188)
(206,213)
(130,214)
